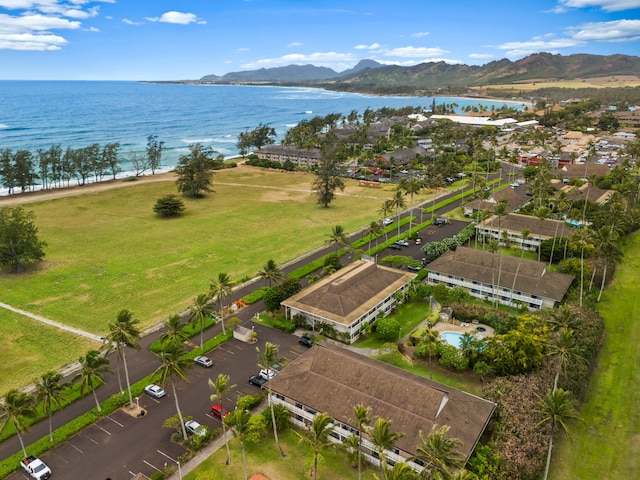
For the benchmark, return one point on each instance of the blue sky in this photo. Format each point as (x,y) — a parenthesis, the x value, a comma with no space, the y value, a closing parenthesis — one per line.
(187,39)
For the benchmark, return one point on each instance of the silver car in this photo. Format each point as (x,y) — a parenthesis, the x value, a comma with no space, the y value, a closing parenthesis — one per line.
(203,361)
(155,391)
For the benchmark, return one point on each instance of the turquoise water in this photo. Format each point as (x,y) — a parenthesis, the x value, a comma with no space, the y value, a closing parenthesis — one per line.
(38,114)
(452,338)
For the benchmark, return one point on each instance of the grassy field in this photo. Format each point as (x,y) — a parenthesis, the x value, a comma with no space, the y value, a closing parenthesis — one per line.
(29,348)
(607,443)
(263,457)
(108,251)
(615,81)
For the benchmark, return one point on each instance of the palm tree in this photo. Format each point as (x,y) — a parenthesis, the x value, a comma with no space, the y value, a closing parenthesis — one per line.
(385,210)
(526,233)
(244,430)
(220,289)
(16,405)
(266,360)
(400,471)
(200,310)
(373,230)
(174,332)
(49,392)
(338,236)
(438,452)
(271,272)
(383,439)
(93,367)
(410,186)
(362,420)
(564,347)
(173,364)
(542,213)
(607,245)
(398,202)
(563,318)
(124,332)
(219,389)
(317,437)
(556,408)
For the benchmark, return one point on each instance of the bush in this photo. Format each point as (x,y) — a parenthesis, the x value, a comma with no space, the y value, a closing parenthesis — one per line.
(451,357)
(249,402)
(283,324)
(169,206)
(388,329)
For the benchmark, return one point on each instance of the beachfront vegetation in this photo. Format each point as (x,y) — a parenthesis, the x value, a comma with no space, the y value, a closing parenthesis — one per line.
(169,206)
(195,171)
(328,179)
(258,137)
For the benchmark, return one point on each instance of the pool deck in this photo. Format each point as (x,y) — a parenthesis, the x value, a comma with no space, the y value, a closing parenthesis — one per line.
(462,327)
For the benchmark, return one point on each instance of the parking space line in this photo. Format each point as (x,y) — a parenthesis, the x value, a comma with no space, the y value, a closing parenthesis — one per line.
(162,453)
(75,447)
(117,423)
(152,466)
(210,416)
(89,438)
(105,431)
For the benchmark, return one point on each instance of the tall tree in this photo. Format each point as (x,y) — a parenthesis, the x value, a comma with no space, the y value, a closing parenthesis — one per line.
(173,365)
(220,289)
(20,247)
(200,310)
(124,332)
(338,236)
(93,368)
(373,231)
(385,210)
(362,420)
(557,408)
(15,406)
(383,439)
(317,437)
(327,180)
(245,430)
(563,346)
(219,389)
(154,152)
(398,203)
(195,171)
(410,186)
(271,272)
(174,330)
(49,393)
(438,452)
(267,358)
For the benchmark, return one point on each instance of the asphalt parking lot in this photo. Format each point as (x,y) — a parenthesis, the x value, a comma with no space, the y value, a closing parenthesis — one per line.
(119,446)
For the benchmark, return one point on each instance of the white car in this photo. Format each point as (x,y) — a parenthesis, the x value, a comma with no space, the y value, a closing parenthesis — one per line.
(194,428)
(268,374)
(403,243)
(387,221)
(203,361)
(155,391)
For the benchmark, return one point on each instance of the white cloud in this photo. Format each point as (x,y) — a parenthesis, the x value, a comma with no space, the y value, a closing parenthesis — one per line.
(131,22)
(538,44)
(614,31)
(319,59)
(243,49)
(481,56)
(179,18)
(28,23)
(294,44)
(606,5)
(415,52)
(29,41)
(419,34)
(373,46)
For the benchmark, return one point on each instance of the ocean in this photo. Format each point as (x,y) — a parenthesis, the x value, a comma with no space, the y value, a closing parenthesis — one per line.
(38,114)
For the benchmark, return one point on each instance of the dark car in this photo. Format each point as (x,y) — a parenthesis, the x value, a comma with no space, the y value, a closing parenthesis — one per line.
(258,381)
(393,246)
(306,341)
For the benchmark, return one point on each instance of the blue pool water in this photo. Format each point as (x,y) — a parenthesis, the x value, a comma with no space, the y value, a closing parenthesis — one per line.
(452,338)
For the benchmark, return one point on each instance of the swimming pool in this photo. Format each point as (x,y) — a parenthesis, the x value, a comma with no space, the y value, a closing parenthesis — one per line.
(452,338)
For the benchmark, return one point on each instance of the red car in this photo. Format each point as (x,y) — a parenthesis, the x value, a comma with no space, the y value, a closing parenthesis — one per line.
(219,411)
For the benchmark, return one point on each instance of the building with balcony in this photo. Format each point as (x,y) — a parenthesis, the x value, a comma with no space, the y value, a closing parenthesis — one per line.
(511,281)
(351,298)
(331,379)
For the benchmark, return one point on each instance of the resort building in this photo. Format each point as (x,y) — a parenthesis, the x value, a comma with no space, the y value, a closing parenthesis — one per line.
(351,298)
(516,197)
(511,281)
(514,224)
(331,379)
(301,157)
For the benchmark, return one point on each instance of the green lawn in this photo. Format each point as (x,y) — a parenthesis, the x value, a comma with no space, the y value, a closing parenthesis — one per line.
(263,457)
(409,316)
(29,348)
(607,443)
(108,251)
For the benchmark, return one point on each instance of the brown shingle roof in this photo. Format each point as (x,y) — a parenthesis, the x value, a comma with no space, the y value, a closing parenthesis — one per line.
(532,277)
(331,379)
(515,222)
(350,292)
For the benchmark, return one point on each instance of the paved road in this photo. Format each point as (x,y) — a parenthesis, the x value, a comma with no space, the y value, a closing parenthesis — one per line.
(120,445)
